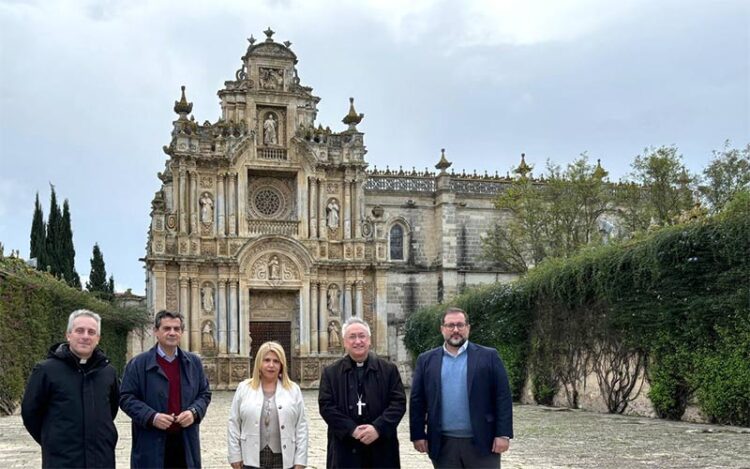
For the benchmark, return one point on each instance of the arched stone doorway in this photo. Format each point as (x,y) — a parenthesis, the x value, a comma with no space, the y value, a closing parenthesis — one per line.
(272,316)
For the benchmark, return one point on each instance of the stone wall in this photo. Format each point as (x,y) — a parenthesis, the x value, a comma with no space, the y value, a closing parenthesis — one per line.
(591,398)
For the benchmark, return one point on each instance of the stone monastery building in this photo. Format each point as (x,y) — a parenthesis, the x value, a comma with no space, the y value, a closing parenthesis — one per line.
(269,226)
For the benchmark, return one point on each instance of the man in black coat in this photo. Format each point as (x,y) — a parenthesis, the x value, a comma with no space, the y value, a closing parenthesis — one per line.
(71,399)
(362,400)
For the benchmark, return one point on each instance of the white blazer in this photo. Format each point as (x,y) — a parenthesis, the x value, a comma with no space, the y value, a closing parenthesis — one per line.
(243,429)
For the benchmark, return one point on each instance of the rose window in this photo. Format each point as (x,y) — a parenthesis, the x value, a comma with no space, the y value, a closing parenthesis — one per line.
(267,202)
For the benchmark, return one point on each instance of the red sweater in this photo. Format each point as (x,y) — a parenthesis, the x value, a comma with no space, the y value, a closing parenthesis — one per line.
(174,402)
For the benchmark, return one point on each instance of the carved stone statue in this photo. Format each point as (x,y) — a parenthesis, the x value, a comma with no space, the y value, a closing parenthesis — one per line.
(274,268)
(207,208)
(269,130)
(207,336)
(207,295)
(333,300)
(332,219)
(334,335)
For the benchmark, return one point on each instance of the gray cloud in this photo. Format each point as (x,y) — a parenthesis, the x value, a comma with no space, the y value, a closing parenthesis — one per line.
(87,90)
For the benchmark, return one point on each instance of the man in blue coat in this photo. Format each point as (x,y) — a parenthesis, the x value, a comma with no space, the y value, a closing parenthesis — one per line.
(461,411)
(166,394)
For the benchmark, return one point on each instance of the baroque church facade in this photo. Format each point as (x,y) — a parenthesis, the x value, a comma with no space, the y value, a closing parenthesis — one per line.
(268,226)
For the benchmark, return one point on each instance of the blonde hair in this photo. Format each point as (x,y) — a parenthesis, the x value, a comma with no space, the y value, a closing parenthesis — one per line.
(276,348)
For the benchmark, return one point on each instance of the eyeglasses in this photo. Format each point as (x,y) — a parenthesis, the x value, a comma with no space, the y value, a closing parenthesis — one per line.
(458,325)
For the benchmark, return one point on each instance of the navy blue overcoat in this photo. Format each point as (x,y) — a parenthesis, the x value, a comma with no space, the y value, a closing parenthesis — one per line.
(490,402)
(144,392)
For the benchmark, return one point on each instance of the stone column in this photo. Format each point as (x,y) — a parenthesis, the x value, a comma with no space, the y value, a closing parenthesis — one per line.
(381,312)
(346,208)
(181,205)
(244,326)
(313,207)
(347,312)
(185,311)
(159,297)
(241,203)
(194,204)
(358,311)
(195,314)
(175,208)
(221,316)
(314,317)
(304,320)
(322,196)
(356,210)
(233,342)
(232,204)
(220,205)
(323,308)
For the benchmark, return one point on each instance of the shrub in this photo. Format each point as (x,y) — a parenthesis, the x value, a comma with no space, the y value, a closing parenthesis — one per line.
(676,301)
(34,309)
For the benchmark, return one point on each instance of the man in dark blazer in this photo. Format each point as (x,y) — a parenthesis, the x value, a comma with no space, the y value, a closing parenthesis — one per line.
(166,394)
(362,400)
(461,411)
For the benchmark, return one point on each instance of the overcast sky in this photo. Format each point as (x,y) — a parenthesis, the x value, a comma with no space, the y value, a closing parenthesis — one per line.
(87,89)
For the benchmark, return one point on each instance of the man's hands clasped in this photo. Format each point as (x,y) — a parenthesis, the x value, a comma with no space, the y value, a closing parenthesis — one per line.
(164,421)
(366,434)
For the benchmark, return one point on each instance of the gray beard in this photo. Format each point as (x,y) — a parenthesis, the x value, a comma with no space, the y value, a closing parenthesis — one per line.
(457,342)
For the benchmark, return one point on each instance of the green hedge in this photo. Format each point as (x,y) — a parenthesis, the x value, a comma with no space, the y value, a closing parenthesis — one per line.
(34,309)
(676,302)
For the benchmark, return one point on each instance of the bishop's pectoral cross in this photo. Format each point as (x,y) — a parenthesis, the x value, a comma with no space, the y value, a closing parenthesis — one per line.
(360,404)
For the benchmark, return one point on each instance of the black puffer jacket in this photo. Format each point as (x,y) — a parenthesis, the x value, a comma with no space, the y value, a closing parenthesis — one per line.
(69,409)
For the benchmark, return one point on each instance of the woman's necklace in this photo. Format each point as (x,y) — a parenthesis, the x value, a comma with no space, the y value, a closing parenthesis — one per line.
(267,419)
(267,406)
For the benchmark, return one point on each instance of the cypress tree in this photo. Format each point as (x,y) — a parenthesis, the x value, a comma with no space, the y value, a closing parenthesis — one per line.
(97,282)
(67,250)
(54,220)
(38,242)
(111,286)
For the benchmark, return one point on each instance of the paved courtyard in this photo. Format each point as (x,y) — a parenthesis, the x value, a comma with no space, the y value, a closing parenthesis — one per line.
(544,439)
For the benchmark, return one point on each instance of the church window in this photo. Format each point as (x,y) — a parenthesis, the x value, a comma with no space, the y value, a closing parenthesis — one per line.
(397,242)
(267,202)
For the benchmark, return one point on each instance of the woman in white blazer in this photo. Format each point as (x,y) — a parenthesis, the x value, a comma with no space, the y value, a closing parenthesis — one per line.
(267,425)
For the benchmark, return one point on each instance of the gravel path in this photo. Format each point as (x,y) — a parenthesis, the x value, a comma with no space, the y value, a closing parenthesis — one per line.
(545,438)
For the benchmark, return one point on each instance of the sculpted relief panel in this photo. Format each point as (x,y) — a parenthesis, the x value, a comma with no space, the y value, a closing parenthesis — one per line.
(272,305)
(275,269)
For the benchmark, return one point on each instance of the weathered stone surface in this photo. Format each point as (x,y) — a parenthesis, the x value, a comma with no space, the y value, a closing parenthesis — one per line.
(268,199)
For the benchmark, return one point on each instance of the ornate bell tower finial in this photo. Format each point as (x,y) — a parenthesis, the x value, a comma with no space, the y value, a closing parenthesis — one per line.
(443,164)
(352,119)
(269,33)
(251,39)
(523,169)
(183,107)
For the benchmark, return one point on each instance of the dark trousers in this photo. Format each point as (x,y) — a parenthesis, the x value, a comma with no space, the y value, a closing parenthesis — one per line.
(174,452)
(461,453)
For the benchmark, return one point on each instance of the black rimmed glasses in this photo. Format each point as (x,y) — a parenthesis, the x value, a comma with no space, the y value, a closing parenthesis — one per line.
(455,325)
